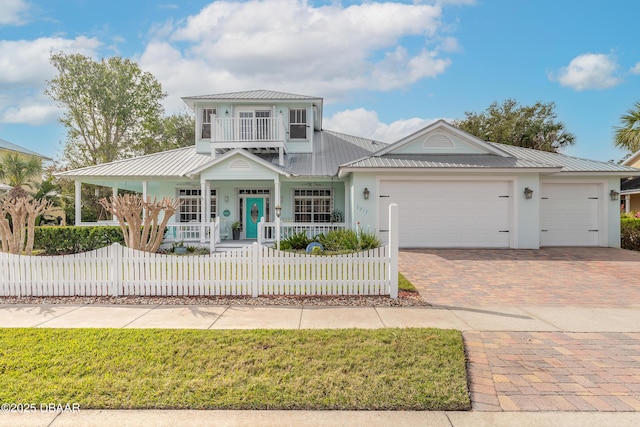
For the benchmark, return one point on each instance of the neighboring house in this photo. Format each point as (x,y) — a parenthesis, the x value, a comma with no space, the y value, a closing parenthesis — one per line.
(261,149)
(8,147)
(630,186)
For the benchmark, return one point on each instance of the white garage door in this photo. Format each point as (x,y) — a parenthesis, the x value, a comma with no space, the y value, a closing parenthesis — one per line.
(569,215)
(449,213)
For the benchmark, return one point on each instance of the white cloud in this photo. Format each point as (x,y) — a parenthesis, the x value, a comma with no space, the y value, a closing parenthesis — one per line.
(12,12)
(296,46)
(24,70)
(636,69)
(366,124)
(589,71)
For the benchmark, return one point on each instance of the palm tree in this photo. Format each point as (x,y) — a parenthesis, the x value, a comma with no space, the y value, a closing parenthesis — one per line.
(628,135)
(17,170)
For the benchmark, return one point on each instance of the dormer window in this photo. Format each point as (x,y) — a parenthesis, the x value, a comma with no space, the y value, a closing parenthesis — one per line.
(207,115)
(298,123)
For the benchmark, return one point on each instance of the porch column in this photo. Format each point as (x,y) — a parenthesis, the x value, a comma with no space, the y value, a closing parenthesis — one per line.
(78,201)
(347,204)
(276,192)
(203,208)
(627,203)
(114,194)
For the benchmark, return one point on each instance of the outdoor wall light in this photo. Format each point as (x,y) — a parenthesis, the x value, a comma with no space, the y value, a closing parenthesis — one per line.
(528,193)
(365,193)
(278,210)
(226,199)
(226,112)
(614,195)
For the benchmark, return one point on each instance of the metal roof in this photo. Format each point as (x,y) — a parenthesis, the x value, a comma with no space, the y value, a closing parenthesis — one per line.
(255,95)
(437,161)
(172,163)
(6,145)
(333,151)
(568,163)
(330,149)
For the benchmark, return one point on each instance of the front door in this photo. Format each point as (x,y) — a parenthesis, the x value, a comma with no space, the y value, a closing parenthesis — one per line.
(253,212)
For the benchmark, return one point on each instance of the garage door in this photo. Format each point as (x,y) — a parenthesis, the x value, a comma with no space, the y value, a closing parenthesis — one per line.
(569,215)
(449,213)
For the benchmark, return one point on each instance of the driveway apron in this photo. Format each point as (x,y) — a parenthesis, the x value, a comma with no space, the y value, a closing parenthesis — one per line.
(540,371)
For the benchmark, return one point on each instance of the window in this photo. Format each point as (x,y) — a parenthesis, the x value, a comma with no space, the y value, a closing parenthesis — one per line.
(190,207)
(297,123)
(312,205)
(207,115)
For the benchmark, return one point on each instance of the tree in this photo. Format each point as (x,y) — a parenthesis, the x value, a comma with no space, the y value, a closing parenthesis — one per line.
(628,134)
(18,170)
(18,221)
(140,220)
(509,123)
(174,131)
(109,105)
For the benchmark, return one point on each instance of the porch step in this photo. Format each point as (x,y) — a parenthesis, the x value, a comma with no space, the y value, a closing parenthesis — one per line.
(230,245)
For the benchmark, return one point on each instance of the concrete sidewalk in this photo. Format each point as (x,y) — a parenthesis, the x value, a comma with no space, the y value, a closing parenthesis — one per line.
(534,318)
(161,418)
(517,355)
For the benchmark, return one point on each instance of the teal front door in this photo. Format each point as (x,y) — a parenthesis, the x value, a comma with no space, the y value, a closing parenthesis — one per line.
(253,213)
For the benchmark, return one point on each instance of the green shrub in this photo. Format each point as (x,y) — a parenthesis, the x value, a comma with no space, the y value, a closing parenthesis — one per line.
(70,240)
(630,233)
(348,240)
(296,241)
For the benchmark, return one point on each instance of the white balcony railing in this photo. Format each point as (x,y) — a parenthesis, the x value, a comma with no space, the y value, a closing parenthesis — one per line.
(253,129)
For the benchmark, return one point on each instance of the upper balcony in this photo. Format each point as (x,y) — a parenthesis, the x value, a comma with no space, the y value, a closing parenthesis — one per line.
(250,130)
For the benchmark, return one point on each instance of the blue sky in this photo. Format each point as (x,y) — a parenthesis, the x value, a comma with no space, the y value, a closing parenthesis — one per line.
(385,69)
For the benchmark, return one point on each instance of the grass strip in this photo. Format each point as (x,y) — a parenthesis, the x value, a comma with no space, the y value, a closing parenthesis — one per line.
(408,369)
(405,285)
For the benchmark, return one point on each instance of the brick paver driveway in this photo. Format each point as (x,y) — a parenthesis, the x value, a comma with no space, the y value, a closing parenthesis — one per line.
(594,277)
(545,371)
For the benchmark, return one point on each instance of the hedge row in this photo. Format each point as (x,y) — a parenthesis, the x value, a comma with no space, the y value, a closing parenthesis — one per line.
(630,233)
(71,240)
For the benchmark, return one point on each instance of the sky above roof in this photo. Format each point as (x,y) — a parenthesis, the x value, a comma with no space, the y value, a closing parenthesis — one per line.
(384,69)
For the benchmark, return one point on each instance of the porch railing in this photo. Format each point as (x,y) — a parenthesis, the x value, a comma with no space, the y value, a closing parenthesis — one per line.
(267,231)
(197,232)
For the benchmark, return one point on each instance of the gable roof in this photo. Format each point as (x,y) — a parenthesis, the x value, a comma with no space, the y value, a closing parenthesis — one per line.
(233,153)
(496,156)
(9,146)
(439,125)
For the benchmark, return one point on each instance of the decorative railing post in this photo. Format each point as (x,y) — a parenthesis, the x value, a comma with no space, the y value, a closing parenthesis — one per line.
(394,234)
(256,271)
(116,268)
(261,231)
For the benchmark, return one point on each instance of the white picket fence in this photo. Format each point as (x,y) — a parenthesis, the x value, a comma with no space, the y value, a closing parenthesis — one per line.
(253,270)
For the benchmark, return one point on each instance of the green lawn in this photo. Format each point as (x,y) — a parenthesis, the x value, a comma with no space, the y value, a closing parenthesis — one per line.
(421,369)
(405,285)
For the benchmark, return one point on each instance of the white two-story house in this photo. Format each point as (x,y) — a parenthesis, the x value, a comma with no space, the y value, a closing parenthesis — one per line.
(261,150)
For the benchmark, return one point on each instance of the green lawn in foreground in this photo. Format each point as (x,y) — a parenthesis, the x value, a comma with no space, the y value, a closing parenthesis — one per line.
(422,369)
